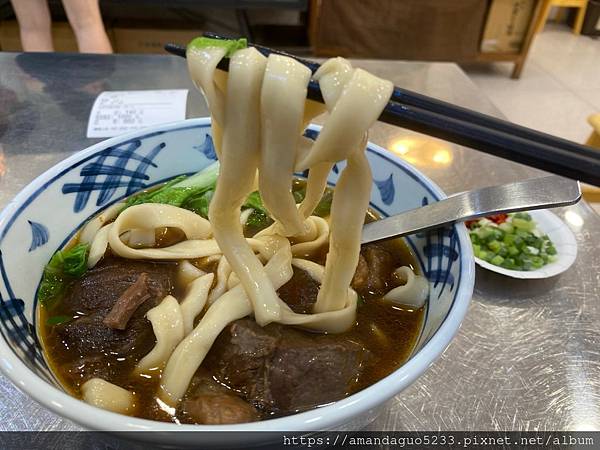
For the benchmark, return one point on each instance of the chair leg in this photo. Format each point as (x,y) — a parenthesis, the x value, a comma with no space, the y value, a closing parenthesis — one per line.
(541,21)
(579,19)
(516,73)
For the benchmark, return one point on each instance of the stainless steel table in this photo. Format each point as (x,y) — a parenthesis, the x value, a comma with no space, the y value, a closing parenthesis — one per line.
(528,354)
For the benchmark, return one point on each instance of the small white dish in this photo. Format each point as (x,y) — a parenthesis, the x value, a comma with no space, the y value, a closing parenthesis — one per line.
(562,238)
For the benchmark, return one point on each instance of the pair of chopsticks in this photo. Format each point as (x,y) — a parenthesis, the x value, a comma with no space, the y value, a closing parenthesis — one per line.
(465,127)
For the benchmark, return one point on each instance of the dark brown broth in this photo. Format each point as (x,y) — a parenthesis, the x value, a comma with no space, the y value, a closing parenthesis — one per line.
(387,331)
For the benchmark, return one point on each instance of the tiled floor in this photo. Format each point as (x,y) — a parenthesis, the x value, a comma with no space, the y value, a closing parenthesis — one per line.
(558,89)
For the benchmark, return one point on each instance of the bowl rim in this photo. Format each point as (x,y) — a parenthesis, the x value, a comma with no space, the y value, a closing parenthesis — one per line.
(326,417)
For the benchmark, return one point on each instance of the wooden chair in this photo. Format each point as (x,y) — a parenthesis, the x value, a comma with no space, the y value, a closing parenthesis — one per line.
(581,5)
(592,193)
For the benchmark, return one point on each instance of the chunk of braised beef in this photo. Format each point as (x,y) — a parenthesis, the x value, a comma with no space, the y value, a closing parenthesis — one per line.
(302,374)
(129,301)
(101,287)
(88,335)
(240,354)
(87,340)
(300,292)
(282,370)
(210,403)
(219,409)
(361,276)
(374,270)
(82,369)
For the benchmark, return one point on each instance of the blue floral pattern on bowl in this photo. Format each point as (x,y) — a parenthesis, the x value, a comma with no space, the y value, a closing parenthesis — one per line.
(47,213)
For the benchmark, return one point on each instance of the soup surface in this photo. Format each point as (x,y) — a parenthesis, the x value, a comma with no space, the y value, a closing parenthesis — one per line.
(251,372)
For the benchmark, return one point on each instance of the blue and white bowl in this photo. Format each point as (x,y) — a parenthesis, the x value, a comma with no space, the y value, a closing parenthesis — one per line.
(44,216)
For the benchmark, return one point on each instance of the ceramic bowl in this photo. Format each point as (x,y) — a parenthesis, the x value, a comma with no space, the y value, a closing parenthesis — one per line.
(46,213)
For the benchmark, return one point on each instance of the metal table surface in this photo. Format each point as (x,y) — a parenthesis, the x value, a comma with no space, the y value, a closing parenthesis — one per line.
(527,356)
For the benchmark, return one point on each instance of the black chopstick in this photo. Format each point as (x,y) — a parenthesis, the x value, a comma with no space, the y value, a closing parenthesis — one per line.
(469,128)
(412,98)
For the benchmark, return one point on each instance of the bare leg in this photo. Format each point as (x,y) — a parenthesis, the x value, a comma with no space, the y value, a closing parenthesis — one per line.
(34,25)
(86,21)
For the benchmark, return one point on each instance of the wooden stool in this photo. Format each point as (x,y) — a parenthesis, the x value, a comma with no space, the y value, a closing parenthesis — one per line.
(592,193)
(581,5)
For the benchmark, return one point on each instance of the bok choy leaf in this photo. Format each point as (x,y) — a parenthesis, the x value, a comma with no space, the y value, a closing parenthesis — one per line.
(63,267)
(179,190)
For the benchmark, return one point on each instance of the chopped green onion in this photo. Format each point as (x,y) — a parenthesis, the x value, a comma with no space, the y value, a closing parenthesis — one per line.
(515,244)
(506,227)
(497,260)
(523,224)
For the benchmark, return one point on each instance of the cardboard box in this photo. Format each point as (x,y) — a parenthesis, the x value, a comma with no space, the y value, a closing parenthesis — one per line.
(506,26)
(62,37)
(150,40)
(435,30)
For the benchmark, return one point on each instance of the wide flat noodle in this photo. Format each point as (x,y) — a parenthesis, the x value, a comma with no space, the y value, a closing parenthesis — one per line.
(313,240)
(350,202)
(259,113)
(202,66)
(102,394)
(156,215)
(332,76)
(187,272)
(194,301)
(91,228)
(331,321)
(357,107)
(413,292)
(223,272)
(98,246)
(282,110)
(315,187)
(307,244)
(167,323)
(239,161)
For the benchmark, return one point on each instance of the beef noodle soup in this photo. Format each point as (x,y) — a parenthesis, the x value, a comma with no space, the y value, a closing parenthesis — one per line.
(248,373)
(240,293)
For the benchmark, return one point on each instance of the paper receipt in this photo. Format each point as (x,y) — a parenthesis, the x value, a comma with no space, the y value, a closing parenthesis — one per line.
(117,112)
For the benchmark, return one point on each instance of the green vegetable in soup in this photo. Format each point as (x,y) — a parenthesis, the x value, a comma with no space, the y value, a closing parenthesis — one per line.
(323,208)
(63,267)
(259,218)
(255,202)
(74,260)
(147,197)
(58,320)
(258,221)
(199,203)
(179,190)
(299,195)
(230,45)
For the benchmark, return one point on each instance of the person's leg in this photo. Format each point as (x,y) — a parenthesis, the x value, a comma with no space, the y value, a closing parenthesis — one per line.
(86,21)
(35,25)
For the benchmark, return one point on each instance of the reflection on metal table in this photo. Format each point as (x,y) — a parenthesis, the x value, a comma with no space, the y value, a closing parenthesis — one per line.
(526,357)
